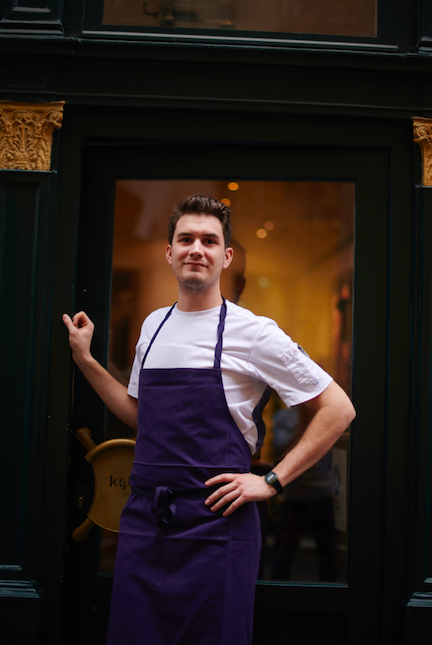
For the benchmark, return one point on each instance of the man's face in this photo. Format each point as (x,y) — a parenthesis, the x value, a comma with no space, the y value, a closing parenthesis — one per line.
(197,253)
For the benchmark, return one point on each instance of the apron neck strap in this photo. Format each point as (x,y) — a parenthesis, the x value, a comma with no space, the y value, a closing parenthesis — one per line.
(220,329)
(157,331)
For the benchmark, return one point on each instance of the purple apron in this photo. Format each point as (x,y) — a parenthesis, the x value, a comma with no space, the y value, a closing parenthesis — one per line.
(184,575)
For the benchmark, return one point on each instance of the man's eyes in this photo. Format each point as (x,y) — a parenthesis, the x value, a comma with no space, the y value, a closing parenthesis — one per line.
(189,240)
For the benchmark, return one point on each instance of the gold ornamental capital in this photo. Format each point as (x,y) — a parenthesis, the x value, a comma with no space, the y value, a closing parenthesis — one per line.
(26,133)
(423,136)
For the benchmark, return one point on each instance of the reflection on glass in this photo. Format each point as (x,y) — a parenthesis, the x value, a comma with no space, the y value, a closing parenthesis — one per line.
(306,536)
(331,17)
(299,274)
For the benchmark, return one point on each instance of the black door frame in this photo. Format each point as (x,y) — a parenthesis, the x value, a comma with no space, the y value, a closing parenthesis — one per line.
(376,159)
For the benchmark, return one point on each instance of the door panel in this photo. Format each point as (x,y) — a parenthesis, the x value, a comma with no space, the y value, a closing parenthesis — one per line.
(337,607)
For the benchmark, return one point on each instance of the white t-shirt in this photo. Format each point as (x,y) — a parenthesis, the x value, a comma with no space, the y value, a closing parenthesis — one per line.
(255,353)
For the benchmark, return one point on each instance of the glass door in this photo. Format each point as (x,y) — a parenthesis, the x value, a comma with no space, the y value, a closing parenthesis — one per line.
(293,262)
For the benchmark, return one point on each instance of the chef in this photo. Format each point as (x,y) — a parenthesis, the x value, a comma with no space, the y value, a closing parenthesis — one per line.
(190,540)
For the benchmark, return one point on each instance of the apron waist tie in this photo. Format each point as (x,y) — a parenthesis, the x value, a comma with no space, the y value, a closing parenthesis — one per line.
(164,507)
(165,510)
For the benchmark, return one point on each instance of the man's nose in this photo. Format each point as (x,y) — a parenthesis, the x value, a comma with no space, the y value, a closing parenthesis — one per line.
(196,248)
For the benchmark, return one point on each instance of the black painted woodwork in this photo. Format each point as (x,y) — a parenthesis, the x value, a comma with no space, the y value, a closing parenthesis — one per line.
(320,108)
(386,28)
(26,245)
(31,14)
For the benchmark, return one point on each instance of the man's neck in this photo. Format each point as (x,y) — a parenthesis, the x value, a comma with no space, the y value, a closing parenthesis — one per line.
(188,301)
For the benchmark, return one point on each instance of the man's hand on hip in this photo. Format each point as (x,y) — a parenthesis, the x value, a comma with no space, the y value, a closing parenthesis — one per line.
(239,488)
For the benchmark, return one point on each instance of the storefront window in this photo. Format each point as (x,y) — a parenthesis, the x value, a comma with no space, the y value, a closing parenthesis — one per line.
(293,262)
(331,17)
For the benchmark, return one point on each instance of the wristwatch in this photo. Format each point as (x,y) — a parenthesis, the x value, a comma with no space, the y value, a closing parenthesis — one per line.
(272,479)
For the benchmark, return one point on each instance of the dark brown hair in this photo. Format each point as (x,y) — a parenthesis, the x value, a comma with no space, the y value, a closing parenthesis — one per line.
(201,205)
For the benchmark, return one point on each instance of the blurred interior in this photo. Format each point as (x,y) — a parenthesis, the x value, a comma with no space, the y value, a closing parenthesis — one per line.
(331,17)
(293,254)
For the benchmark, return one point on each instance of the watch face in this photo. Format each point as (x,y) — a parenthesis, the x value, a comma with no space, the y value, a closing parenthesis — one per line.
(271,478)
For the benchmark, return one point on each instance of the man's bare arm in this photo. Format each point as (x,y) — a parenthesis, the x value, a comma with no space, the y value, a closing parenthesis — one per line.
(333,414)
(112,393)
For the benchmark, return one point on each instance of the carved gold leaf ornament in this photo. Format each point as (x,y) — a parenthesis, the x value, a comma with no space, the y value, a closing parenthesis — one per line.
(26,133)
(423,136)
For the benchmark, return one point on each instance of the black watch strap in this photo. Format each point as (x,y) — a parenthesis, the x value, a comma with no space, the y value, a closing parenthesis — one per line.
(272,479)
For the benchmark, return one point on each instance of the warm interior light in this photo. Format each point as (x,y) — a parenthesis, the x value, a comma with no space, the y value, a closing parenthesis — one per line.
(226,201)
(269,226)
(233,185)
(263,281)
(261,233)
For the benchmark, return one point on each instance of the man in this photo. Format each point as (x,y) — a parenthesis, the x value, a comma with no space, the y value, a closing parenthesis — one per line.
(189,543)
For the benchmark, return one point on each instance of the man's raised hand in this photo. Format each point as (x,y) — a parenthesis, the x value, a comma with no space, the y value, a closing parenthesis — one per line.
(80,329)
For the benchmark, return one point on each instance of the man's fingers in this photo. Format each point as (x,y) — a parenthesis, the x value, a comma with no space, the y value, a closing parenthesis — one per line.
(226,499)
(232,507)
(67,321)
(220,492)
(238,489)
(81,319)
(220,479)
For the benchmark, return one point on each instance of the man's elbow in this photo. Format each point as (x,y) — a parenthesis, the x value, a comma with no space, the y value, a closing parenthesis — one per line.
(343,407)
(347,413)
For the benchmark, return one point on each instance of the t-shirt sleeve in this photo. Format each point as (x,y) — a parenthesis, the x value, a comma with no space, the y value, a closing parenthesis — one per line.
(285,366)
(134,377)
(133,386)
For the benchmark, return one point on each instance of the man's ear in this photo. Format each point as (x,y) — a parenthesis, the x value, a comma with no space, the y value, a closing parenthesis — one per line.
(168,254)
(229,253)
